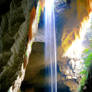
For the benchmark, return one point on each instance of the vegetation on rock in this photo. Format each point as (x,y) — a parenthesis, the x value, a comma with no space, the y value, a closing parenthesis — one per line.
(87,57)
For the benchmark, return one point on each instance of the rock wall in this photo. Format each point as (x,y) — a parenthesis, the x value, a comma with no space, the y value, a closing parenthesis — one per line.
(14,34)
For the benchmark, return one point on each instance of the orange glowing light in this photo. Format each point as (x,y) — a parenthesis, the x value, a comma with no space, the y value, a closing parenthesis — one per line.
(72,45)
(90,4)
(32,17)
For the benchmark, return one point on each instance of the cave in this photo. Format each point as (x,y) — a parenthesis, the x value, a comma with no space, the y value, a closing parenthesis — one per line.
(45,45)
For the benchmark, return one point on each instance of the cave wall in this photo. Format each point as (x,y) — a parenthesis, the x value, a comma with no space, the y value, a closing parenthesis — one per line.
(14,30)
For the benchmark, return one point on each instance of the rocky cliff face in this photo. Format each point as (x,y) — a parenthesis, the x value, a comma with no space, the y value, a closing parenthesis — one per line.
(13,41)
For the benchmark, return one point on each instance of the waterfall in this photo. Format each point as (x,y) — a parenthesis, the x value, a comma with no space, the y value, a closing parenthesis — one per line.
(50,43)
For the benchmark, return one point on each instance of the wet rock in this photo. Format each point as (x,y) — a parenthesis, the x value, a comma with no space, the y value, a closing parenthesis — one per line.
(36,64)
(14,32)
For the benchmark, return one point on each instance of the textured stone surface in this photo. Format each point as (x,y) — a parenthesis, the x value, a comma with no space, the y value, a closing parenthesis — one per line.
(14,34)
(36,63)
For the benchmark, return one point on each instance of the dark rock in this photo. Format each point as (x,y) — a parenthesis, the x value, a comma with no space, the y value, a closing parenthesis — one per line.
(14,22)
(4,6)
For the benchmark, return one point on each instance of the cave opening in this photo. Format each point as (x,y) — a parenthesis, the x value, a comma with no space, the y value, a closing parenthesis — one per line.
(23,51)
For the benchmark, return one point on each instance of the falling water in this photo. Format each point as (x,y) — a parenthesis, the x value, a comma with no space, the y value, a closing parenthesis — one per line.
(50,43)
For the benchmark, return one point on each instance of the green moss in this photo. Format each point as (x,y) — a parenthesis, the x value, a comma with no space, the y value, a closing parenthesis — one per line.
(83,72)
(87,62)
(39,13)
(86,51)
(82,82)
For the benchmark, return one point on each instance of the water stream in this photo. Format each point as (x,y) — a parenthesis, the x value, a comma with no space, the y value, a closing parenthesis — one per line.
(50,43)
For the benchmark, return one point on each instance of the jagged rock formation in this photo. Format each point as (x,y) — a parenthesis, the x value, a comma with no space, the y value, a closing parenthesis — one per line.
(70,66)
(13,40)
(14,34)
